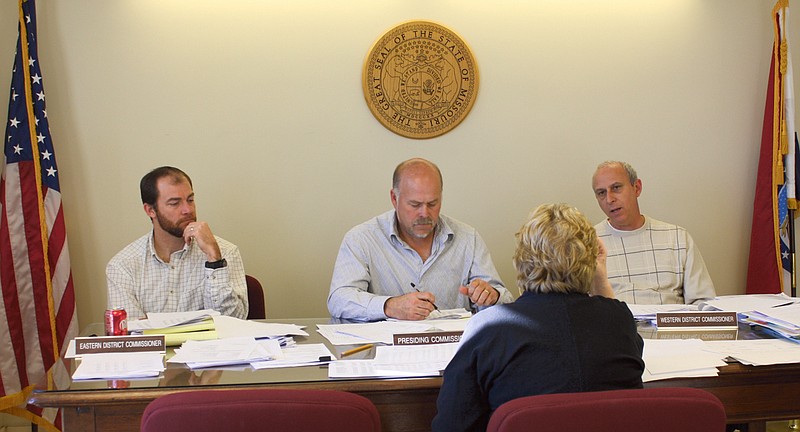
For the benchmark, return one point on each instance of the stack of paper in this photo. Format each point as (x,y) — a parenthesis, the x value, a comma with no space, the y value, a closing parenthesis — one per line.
(380,332)
(397,361)
(177,327)
(670,358)
(383,331)
(648,312)
(176,335)
(758,352)
(232,327)
(693,357)
(299,355)
(180,327)
(748,302)
(783,321)
(778,313)
(224,352)
(119,365)
(171,319)
(445,314)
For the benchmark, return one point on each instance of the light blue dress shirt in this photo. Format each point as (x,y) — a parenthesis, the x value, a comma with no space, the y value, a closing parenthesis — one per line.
(374,264)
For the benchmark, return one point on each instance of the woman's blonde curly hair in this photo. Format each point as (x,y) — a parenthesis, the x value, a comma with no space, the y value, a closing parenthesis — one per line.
(556,251)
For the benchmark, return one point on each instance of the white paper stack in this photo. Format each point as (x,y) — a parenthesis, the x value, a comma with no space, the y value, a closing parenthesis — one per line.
(747,302)
(170,319)
(228,327)
(119,366)
(383,331)
(758,352)
(648,312)
(224,352)
(299,355)
(673,358)
(778,313)
(397,361)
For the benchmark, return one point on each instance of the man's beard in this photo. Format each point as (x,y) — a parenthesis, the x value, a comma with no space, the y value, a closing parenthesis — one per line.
(422,221)
(174,229)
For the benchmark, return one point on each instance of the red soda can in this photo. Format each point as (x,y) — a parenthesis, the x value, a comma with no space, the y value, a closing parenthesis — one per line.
(118,384)
(116,321)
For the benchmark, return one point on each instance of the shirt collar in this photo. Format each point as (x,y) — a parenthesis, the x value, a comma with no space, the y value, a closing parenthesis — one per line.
(151,248)
(642,228)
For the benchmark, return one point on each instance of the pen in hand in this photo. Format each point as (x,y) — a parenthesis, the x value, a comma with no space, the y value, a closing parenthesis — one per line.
(417,290)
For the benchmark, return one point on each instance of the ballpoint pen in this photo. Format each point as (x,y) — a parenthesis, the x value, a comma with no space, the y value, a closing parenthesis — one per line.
(417,290)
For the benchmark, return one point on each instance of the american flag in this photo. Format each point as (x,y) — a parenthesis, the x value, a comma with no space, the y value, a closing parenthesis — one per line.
(37,314)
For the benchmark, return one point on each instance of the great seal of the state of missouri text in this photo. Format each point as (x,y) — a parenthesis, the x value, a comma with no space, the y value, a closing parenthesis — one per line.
(420,79)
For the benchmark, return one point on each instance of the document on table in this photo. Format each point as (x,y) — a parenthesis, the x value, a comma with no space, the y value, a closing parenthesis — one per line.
(673,358)
(778,326)
(447,324)
(382,331)
(787,313)
(231,327)
(648,312)
(397,361)
(299,355)
(170,319)
(229,351)
(119,365)
(449,314)
(374,332)
(748,302)
(758,352)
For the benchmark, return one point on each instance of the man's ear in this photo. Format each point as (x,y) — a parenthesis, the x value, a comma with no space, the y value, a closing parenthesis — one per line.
(149,210)
(638,187)
(393,197)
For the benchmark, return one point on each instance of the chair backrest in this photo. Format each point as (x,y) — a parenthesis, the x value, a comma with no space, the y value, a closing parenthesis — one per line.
(261,410)
(255,297)
(651,410)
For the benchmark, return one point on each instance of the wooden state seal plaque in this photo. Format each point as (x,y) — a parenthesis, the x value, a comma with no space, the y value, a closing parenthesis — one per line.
(420,80)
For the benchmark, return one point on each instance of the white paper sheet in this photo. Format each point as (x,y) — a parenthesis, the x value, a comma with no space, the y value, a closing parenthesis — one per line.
(789,314)
(443,314)
(229,351)
(375,332)
(648,312)
(119,365)
(671,358)
(397,361)
(746,303)
(164,320)
(299,355)
(228,327)
(758,352)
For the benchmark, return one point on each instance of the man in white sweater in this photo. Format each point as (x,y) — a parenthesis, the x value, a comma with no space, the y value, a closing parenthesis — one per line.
(649,261)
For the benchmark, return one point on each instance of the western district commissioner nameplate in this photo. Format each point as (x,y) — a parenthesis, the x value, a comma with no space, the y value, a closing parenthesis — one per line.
(420,80)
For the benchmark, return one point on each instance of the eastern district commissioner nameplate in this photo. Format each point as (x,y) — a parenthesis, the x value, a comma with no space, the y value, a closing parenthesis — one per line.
(420,80)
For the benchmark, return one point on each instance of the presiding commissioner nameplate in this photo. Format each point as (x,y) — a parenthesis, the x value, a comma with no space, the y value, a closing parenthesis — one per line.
(420,80)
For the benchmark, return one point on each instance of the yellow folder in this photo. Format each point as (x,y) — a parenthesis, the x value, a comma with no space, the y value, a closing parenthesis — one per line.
(176,335)
(207,324)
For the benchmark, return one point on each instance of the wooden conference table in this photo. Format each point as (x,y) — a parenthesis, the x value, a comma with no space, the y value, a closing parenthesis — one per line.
(750,394)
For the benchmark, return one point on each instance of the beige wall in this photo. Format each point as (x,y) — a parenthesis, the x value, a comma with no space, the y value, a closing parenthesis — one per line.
(261,103)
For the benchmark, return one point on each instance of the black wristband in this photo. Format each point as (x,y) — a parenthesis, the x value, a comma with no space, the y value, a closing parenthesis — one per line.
(216,264)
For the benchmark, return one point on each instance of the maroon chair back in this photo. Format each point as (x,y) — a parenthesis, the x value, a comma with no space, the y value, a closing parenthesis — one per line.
(255,298)
(261,410)
(651,410)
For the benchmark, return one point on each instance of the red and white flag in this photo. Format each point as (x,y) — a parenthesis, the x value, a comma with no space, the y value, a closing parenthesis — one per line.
(37,314)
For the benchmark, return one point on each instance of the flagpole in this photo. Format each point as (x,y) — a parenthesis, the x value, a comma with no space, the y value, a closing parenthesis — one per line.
(792,254)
